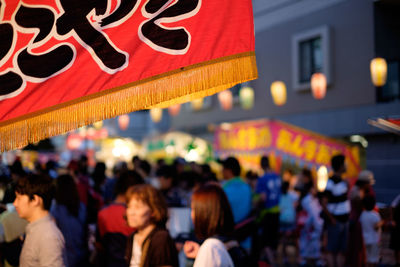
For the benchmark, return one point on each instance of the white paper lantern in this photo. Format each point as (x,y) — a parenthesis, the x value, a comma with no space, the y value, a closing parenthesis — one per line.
(156,114)
(378,69)
(278,92)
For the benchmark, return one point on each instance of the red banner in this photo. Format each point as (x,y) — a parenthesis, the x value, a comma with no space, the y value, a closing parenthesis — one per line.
(67,63)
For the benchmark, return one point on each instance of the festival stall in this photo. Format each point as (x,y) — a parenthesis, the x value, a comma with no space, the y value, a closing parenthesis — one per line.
(114,150)
(177,144)
(282,142)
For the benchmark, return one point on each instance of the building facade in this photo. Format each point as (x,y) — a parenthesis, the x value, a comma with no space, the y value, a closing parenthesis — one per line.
(294,39)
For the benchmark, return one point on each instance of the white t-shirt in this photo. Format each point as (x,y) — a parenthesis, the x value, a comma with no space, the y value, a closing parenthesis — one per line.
(368,220)
(212,253)
(136,254)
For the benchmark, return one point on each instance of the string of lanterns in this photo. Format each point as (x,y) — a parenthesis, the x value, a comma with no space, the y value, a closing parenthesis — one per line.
(318,83)
(378,69)
(318,87)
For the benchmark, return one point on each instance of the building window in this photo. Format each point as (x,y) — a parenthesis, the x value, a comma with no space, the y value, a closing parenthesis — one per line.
(310,54)
(391,90)
(310,58)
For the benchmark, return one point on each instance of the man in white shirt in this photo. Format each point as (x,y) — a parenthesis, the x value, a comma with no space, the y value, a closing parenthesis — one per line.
(44,245)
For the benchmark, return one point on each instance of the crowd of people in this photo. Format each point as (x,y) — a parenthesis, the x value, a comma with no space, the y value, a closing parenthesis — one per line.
(71,216)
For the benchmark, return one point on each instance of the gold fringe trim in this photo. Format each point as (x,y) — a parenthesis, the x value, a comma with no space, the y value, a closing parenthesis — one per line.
(178,86)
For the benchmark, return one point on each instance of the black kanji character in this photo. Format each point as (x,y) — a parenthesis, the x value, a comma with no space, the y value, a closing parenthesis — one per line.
(6,38)
(49,63)
(124,8)
(9,81)
(75,19)
(175,40)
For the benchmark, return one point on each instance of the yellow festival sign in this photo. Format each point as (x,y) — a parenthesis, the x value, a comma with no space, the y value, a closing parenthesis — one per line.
(251,139)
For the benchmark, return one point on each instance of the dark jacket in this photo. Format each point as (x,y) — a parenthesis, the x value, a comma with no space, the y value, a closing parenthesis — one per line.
(158,249)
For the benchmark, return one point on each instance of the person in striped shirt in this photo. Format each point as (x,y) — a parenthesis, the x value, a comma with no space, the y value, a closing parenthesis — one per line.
(336,210)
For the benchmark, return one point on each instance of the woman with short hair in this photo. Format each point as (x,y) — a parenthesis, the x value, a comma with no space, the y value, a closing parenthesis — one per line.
(151,244)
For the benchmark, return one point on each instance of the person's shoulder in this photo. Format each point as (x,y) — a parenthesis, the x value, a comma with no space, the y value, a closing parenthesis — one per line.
(213,243)
(50,226)
(271,176)
(160,238)
(103,213)
(47,231)
(375,214)
(369,214)
(330,182)
(160,235)
(263,176)
(242,182)
(363,215)
(293,196)
(111,209)
(275,175)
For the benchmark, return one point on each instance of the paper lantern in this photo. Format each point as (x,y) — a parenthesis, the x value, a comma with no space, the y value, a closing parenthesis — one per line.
(123,122)
(74,141)
(278,92)
(174,110)
(197,104)
(246,97)
(156,114)
(98,125)
(378,69)
(225,99)
(322,178)
(318,85)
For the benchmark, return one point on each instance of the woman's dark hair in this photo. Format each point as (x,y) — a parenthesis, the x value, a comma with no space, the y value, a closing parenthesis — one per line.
(16,168)
(145,166)
(285,187)
(252,176)
(99,175)
(40,185)
(337,162)
(361,183)
(369,202)
(212,212)
(126,180)
(307,173)
(168,172)
(67,194)
(306,187)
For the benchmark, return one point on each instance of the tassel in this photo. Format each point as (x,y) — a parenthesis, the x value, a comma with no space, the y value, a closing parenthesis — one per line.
(174,87)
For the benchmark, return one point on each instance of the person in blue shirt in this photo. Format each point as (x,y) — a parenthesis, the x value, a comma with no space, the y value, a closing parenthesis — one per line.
(237,190)
(239,193)
(269,190)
